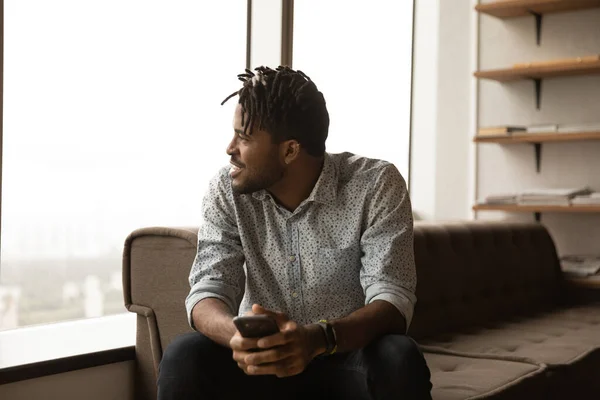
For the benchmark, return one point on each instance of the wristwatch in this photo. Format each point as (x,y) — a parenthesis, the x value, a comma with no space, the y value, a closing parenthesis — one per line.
(330,338)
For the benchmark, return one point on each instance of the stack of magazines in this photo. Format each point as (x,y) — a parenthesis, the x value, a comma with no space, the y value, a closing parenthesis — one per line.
(591,199)
(501,199)
(551,197)
(580,266)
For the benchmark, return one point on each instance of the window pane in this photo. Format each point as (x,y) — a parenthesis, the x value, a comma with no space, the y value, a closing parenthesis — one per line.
(112,122)
(359,55)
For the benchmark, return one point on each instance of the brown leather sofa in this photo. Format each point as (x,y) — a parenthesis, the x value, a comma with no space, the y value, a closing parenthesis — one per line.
(494,316)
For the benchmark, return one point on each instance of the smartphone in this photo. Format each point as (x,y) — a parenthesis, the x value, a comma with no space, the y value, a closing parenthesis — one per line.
(256,326)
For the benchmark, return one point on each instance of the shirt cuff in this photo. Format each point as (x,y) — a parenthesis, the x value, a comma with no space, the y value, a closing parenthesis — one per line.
(400,298)
(203,290)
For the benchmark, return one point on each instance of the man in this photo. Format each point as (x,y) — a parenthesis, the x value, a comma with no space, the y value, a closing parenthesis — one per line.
(324,245)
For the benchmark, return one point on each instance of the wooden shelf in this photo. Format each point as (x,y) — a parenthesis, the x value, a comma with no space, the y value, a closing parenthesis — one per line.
(538,138)
(536,8)
(538,72)
(538,209)
(520,8)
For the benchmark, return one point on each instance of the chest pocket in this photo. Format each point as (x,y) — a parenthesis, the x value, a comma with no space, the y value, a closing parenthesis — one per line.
(338,269)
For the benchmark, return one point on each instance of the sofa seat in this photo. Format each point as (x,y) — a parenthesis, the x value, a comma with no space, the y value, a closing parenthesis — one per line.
(567,341)
(560,337)
(455,377)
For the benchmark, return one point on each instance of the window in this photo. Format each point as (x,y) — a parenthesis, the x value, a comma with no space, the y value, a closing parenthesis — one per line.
(360,55)
(112,122)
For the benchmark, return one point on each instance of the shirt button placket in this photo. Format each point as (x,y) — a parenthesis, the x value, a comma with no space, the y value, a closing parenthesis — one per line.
(295,269)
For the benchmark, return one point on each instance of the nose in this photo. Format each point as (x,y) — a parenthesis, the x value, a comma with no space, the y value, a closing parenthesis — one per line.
(231,147)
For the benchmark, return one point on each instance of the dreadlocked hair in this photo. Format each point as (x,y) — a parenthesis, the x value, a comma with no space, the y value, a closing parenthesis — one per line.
(286,104)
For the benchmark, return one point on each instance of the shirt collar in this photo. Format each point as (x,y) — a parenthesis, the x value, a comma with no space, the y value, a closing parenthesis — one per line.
(325,188)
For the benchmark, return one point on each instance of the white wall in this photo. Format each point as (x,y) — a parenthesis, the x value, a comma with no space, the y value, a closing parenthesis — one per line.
(564,100)
(442,118)
(107,382)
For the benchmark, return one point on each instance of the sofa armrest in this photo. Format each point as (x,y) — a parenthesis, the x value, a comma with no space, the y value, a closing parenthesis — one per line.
(156,266)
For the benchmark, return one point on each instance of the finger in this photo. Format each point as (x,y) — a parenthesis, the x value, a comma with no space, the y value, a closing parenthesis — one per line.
(240,356)
(277,368)
(289,326)
(269,356)
(278,339)
(258,309)
(280,317)
(244,368)
(239,343)
(291,370)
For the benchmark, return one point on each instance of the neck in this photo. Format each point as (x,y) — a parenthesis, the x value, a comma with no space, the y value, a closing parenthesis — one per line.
(298,182)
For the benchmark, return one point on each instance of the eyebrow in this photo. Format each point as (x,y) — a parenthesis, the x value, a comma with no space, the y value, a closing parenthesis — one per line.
(241,132)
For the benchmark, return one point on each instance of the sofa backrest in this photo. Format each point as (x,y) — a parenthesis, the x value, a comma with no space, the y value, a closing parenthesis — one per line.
(469,274)
(478,273)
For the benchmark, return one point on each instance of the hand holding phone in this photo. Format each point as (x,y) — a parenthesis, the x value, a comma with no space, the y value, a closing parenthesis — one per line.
(256,326)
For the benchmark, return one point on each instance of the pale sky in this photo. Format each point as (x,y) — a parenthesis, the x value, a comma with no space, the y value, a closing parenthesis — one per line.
(112,116)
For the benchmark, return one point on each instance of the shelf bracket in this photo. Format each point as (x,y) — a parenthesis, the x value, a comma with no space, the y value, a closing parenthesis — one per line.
(538,92)
(538,156)
(538,216)
(538,26)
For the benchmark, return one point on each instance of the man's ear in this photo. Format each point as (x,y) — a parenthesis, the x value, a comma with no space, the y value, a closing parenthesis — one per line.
(291,151)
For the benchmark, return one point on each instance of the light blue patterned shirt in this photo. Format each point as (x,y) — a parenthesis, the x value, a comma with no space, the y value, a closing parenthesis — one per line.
(348,244)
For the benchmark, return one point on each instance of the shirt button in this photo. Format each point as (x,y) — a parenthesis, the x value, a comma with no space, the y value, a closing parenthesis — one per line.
(292,258)
(295,294)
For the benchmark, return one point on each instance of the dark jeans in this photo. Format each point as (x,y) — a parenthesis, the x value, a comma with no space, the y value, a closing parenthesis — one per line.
(195,368)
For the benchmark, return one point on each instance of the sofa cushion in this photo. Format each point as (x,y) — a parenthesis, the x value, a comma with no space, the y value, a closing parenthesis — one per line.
(472,274)
(457,377)
(566,340)
(559,337)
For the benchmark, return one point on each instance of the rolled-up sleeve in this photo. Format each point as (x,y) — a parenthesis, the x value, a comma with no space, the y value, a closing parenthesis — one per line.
(388,266)
(218,266)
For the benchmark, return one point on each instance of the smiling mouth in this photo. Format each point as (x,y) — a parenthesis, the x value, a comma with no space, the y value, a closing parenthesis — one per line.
(234,170)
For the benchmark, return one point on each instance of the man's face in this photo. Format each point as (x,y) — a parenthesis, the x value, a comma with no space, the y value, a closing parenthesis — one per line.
(255,160)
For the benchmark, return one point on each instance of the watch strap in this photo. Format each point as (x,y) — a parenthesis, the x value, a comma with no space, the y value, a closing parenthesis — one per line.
(330,337)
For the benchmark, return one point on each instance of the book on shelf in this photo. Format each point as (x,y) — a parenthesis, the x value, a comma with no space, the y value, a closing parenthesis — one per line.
(500,130)
(580,265)
(569,192)
(561,202)
(508,198)
(558,62)
(591,199)
(577,128)
(545,128)
(539,128)
(551,196)
(546,197)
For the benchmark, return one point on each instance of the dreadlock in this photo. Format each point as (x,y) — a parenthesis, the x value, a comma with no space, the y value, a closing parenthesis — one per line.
(286,104)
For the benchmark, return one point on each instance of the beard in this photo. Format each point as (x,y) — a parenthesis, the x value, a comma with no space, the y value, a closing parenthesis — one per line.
(252,180)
